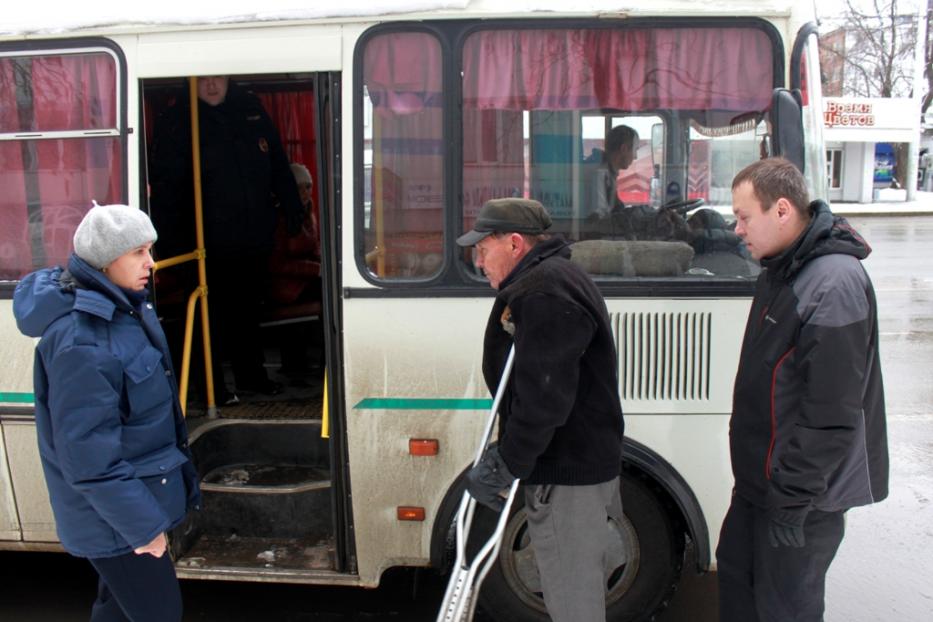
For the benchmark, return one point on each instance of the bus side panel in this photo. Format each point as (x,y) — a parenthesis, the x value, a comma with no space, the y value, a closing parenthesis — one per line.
(23,493)
(697,446)
(32,500)
(399,359)
(9,523)
(240,51)
(677,365)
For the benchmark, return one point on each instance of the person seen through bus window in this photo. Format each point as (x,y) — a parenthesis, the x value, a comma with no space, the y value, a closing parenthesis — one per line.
(561,423)
(112,439)
(620,150)
(246,181)
(808,434)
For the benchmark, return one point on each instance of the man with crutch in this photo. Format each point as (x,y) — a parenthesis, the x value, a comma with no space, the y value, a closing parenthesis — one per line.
(560,427)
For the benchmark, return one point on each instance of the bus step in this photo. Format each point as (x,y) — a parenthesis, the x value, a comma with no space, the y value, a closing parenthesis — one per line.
(255,553)
(264,477)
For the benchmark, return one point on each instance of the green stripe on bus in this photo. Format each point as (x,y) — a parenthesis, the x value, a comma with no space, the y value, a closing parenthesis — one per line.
(17,398)
(408,403)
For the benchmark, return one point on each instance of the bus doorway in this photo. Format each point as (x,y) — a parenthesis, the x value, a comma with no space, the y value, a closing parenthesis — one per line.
(264,456)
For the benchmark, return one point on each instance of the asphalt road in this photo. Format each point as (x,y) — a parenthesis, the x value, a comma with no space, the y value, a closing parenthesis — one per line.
(883,572)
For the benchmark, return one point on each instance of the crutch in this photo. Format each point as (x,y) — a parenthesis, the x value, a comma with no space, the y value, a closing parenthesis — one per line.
(463,588)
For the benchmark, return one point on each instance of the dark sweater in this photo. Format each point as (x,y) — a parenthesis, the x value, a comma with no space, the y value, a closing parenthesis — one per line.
(561,418)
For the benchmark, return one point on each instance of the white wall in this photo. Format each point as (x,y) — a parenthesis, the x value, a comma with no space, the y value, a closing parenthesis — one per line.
(858,169)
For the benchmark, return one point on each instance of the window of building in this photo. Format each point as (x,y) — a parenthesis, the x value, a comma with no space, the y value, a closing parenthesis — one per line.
(834,168)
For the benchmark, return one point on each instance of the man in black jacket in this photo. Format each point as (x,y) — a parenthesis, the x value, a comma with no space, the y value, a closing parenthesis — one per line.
(807,435)
(561,419)
(246,179)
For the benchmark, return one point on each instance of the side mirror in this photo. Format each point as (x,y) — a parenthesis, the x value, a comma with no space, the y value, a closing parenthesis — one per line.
(787,126)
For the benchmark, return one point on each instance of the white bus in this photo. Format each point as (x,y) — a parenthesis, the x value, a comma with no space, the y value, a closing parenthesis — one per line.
(409,118)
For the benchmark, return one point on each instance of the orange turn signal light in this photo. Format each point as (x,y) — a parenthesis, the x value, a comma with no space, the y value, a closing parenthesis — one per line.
(423,446)
(410,512)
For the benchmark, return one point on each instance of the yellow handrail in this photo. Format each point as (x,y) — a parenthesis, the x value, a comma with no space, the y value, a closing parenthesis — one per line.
(199,255)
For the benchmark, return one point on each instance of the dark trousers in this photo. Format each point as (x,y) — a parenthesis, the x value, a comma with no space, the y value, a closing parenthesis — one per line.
(761,583)
(136,588)
(236,284)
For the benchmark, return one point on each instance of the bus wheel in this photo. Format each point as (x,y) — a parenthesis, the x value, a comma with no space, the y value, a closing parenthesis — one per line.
(646,552)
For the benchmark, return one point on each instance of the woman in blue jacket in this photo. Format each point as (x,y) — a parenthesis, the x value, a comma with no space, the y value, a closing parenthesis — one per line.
(111,435)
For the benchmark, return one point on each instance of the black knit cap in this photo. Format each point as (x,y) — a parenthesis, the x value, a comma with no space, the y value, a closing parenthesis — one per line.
(507,216)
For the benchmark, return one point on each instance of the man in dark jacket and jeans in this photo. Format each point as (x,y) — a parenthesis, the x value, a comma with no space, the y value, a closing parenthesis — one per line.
(808,435)
(561,419)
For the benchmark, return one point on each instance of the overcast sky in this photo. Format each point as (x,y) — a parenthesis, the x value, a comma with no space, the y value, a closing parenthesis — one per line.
(835,8)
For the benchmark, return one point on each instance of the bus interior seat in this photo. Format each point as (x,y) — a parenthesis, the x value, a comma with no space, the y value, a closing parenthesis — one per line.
(632,257)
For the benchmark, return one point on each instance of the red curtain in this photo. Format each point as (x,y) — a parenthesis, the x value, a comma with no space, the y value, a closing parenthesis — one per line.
(631,69)
(48,184)
(570,69)
(403,72)
(66,92)
(293,114)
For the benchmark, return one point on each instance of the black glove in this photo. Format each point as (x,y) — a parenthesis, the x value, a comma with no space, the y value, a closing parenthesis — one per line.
(786,527)
(488,478)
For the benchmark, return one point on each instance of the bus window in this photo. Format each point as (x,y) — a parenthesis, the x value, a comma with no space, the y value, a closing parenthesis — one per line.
(540,106)
(60,148)
(404,157)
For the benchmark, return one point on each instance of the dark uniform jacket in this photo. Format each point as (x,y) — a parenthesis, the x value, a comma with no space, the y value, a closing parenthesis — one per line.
(112,439)
(244,174)
(808,422)
(561,418)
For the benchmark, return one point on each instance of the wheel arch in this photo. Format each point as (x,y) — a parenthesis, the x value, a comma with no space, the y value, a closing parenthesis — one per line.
(443,532)
(666,482)
(673,488)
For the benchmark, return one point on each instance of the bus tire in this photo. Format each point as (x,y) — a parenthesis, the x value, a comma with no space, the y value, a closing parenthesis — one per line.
(638,589)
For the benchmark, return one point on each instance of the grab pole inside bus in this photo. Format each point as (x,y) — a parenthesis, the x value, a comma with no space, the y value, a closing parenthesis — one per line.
(200,293)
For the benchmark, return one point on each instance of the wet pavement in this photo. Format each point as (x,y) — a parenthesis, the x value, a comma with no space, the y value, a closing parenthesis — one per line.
(883,572)
(884,569)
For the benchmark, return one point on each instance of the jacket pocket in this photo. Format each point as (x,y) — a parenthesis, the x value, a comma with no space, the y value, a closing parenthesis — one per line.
(147,385)
(161,472)
(169,491)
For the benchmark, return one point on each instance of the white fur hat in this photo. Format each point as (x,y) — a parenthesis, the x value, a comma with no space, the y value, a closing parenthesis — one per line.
(301,173)
(109,231)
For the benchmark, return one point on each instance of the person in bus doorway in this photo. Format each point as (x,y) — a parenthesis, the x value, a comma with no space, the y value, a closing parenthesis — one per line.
(295,263)
(620,147)
(246,181)
(111,434)
(561,423)
(808,434)
(295,282)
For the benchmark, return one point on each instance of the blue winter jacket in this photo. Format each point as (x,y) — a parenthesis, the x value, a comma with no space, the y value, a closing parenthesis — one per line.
(112,439)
